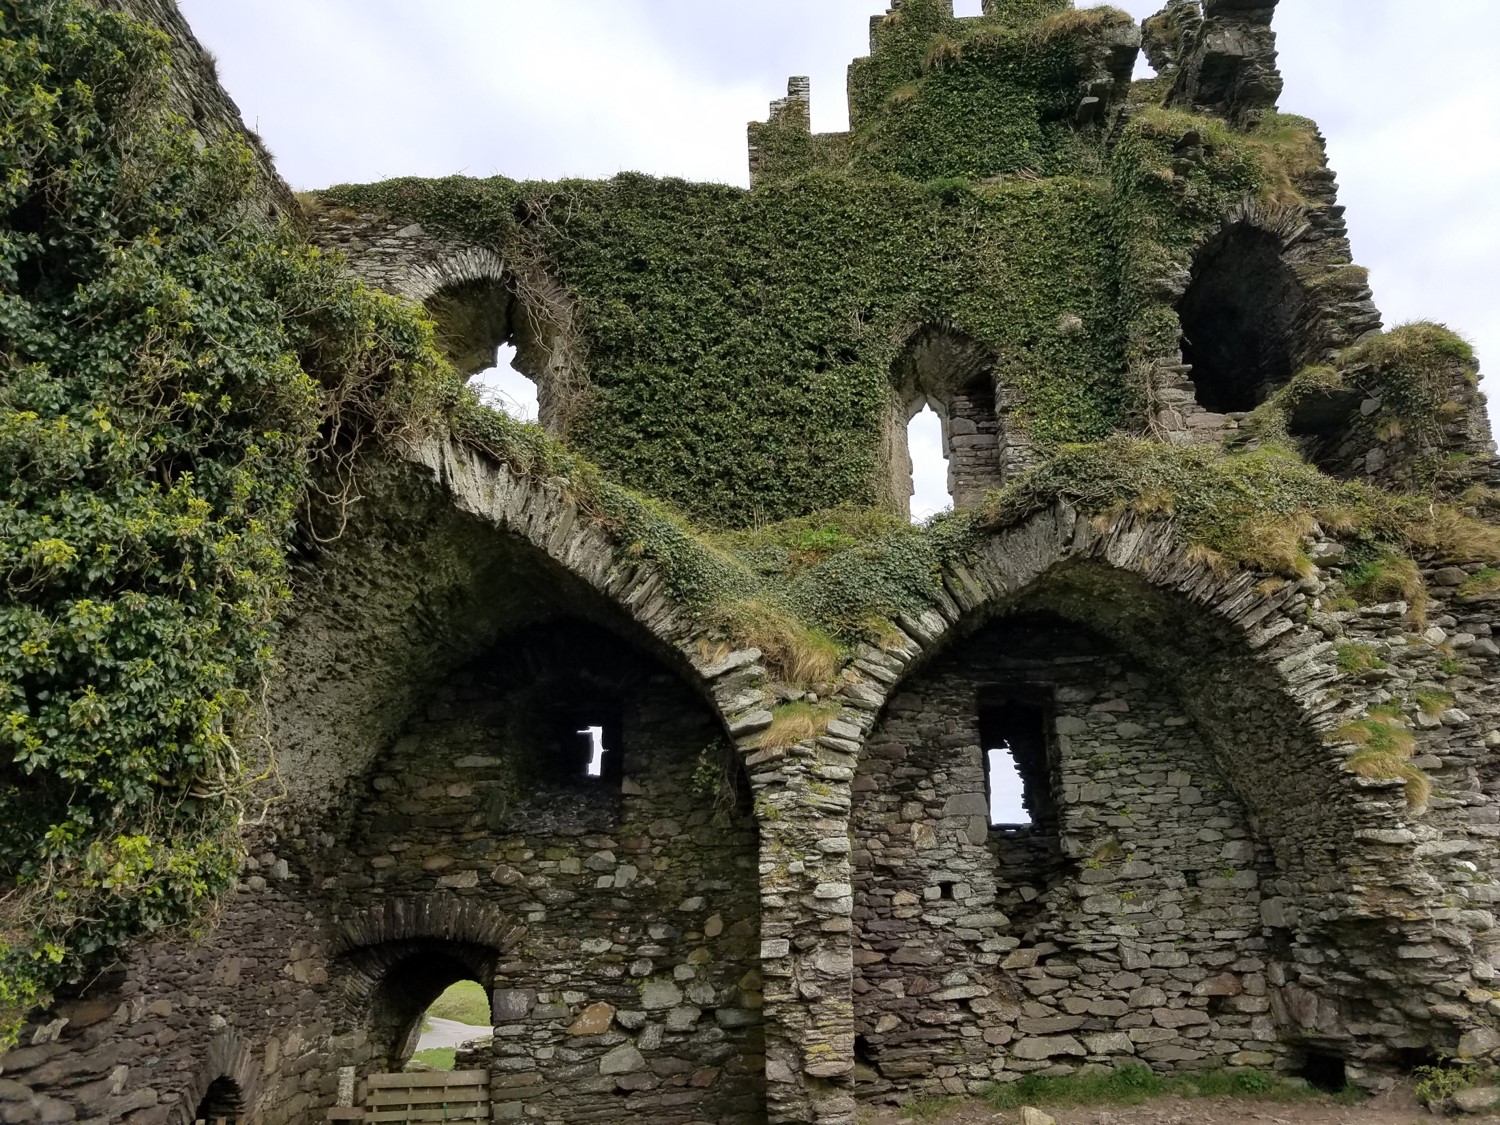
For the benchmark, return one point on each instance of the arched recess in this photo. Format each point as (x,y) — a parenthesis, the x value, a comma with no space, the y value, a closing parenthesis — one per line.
(1139,869)
(396,956)
(637,884)
(1246,319)
(943,368)
(1345,881)
(446,552)
(225,1084)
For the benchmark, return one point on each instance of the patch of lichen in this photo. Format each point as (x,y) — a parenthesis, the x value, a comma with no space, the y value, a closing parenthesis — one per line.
(739,344)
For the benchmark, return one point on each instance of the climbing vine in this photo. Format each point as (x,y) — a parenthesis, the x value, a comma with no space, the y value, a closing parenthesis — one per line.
(172,364)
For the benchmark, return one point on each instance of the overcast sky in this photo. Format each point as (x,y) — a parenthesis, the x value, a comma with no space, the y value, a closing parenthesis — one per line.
(360,90)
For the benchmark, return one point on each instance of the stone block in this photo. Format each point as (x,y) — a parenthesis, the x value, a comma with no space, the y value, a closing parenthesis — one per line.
(1048,1047)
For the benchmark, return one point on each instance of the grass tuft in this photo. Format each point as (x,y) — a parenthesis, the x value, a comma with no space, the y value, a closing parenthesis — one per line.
(796,722)
(800,656)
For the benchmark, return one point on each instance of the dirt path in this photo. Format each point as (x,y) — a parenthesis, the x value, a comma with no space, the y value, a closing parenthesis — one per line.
(1393,1109)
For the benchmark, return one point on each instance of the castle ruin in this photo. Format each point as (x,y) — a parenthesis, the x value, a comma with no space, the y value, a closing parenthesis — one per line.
(1218,581)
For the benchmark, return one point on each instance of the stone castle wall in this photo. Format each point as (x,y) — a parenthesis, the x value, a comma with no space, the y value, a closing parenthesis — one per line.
(981,956)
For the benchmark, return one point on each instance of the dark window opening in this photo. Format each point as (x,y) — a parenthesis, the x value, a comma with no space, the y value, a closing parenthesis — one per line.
(1324,1072)
(584,750)
(1190,878)
(1241,316)
(223,1103)
(945,889)
(1017,773)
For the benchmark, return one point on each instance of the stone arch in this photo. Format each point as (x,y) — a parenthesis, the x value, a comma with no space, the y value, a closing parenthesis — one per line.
(1147,588)
(448,550)
(228,1068)
(395,957)
(478,299)
(1350,878)
(944,368)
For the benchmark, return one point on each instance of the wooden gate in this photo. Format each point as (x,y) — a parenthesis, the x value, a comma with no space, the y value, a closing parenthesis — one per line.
(453,1095)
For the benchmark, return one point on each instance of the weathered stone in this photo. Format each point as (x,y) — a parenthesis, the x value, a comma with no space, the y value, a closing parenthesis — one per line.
(593,1020)
(624,1059)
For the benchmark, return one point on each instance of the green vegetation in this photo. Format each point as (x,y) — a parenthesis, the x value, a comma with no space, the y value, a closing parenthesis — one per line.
(1436,1084)
(1485,581)
(1385,746)
(466,1002)
(930,1109)
(1252,509)
(1355,658)
(171,373)
(434,1058)
(1134,1084)
(791,723)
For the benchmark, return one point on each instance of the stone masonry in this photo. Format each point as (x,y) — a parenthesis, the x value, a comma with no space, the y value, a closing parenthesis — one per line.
(712,929)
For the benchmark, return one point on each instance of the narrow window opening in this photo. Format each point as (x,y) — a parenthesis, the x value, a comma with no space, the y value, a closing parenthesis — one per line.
(596,760)
(929,465)
(502,387)
(1324,1072)
(1190,878)
(586,747)
(1007,791)
(458,1017)
(223,1103)
(945,889)
(1017,776)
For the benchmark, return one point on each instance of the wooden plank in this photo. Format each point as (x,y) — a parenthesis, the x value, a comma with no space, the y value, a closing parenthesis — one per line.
(452,1113)
(430,1078)
(450,1094)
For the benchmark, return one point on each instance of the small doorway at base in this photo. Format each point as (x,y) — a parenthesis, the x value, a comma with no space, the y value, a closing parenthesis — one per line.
(223,1103)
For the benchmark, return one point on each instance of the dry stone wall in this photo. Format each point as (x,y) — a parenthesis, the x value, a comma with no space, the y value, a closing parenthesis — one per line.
(633,989)
(1142,941)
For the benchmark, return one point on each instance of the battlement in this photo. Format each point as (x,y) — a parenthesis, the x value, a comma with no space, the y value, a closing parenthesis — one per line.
(977,96)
